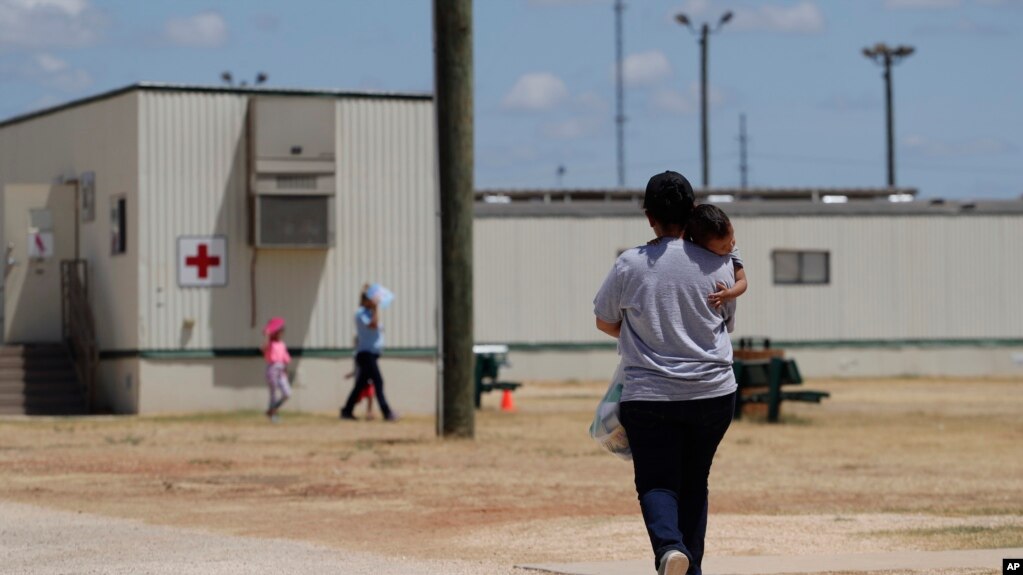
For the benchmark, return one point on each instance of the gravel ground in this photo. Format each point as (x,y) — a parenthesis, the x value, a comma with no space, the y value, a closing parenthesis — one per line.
(883,465)
(37,541)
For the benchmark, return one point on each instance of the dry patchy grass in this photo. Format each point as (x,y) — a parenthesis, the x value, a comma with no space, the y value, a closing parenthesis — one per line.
(890,464)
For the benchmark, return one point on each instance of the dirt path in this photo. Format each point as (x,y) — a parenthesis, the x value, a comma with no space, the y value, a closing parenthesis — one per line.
(915,464)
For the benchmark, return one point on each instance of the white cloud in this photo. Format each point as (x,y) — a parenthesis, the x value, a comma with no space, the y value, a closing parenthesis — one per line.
(924,146)
(591,101)
(645,68)
(204,30)
(572,128)
(52,71)
(715,97)
(935,4)
(685,102)
(850,102)
(965,27)
(48,71)
(42,23)
(562,2)
(803,17)
(673,102)
(696,8)
(538,91)
(43,102)
(266,22)
(911,4)
(50,64)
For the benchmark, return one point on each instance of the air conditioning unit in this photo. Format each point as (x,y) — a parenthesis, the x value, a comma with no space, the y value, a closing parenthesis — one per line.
(292,171)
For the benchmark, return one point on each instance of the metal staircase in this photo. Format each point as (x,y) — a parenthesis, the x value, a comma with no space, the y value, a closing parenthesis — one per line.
(39,380)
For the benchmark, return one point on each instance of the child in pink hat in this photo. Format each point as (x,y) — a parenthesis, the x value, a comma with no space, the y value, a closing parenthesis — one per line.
(277,359)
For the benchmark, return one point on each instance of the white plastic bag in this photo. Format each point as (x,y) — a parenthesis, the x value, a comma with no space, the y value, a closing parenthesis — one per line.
(606,428)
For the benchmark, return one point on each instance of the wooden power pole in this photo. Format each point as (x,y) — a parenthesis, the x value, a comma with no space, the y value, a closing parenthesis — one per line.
(452,22)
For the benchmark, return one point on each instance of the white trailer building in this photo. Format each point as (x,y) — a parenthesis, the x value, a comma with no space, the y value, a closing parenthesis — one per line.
(863,288)
(201,212)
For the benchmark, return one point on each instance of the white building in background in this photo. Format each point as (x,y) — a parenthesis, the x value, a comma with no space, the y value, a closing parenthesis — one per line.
(860,288)
(199,213)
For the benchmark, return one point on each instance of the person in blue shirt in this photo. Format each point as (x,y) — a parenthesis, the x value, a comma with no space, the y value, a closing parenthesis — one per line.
(369,343)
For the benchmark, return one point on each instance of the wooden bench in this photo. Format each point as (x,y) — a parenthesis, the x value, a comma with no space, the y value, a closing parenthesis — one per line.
(489,359)
(761,381)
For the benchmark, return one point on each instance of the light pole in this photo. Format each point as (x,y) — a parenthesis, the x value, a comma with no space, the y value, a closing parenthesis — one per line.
(886,56)
(705,32)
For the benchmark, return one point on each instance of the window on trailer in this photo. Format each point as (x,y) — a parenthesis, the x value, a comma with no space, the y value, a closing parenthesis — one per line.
(801,267)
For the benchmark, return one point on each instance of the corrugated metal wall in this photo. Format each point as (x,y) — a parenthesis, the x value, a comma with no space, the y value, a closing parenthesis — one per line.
(892,277)
(100,137)
(193,176)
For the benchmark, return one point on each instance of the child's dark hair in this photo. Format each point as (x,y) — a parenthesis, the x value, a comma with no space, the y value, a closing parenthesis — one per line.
(707,223)
(669,198)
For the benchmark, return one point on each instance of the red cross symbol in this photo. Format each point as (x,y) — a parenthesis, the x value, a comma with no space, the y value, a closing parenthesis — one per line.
(202,261)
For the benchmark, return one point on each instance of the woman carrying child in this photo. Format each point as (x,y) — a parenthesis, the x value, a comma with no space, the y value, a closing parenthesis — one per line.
(679,389)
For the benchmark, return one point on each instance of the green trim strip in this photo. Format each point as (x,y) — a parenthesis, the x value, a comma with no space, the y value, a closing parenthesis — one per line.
(799,344)
(867,343)
(173,354)
(429,352)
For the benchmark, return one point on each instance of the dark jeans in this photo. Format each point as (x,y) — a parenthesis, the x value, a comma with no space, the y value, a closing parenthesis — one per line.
(673,445)
(368,370)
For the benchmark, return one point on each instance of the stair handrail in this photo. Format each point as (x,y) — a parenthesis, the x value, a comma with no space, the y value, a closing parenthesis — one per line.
(79,325)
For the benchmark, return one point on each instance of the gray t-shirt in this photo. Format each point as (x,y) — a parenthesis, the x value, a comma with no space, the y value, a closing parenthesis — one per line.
(674,345)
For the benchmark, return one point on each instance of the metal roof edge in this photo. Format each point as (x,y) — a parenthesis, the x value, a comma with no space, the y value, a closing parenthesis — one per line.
(760,209)
(159,87)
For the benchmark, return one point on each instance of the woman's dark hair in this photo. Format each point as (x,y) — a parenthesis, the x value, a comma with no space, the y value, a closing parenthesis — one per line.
(708,222)
(669,198)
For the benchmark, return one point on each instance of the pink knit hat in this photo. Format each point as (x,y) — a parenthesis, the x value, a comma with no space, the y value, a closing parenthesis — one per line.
(273,326)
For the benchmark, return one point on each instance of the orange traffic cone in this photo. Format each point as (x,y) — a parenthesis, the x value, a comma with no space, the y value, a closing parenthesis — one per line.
(507,403)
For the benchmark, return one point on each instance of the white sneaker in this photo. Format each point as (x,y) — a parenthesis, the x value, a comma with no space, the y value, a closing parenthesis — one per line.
(673,562)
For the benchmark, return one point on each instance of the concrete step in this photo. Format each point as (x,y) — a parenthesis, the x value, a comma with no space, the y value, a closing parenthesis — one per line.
(48,373)
(33,350)
(62,408)
(39,379)
(41,391)
(14,362)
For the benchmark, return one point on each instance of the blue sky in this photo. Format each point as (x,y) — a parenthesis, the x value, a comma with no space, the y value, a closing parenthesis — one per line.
(545,85)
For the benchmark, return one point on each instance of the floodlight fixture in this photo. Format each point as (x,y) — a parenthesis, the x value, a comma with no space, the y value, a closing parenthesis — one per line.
(724,19)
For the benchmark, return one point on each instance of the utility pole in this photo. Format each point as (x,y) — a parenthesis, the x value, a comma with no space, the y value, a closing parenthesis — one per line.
(705,32)
(452,21)
(620,92)
(743,141)
(704,131)
(887,56)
